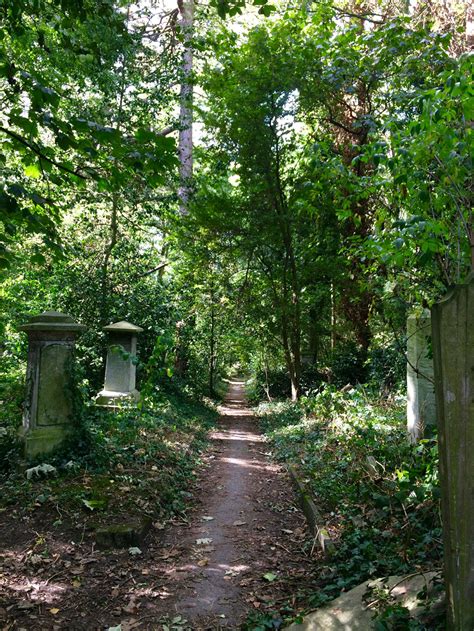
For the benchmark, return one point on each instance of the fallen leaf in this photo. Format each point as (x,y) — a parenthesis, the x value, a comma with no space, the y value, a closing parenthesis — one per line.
(54,611)
(239,523)
(77,570)
(93,504)
(270,577)
(204,542)
(207,518)
(134,551)
(158,525)
(131,607)
(203,562)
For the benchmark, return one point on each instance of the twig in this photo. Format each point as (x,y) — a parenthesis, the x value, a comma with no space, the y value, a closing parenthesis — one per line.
(314,542)
(54,576)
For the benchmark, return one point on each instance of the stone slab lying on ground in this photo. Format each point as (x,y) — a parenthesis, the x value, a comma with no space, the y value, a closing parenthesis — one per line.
(123,535)
(311,512)
(349,611)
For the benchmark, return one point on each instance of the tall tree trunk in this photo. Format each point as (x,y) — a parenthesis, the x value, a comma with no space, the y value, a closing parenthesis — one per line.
(291,297)
(293,362)
(113,231)
(212,350)
(185,143)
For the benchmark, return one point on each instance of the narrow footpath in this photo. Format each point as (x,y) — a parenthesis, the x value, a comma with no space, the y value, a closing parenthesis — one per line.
(243,549)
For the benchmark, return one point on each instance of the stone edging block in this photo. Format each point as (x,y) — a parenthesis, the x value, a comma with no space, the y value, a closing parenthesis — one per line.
(312,514)
(123,535)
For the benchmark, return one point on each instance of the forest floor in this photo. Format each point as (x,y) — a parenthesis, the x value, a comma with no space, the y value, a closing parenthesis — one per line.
(241,551)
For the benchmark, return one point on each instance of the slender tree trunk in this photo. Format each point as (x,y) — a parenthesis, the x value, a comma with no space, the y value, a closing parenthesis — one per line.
(267,385)
(185,143)
(212,350)
(333,318)
(104,288)
(291,297)
(292,366)
(113,233)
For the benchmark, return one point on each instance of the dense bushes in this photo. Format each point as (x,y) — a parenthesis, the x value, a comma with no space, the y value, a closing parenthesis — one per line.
(383,369)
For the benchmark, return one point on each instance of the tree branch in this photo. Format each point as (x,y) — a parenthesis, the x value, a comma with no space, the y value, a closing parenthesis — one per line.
(155,269)
(40,154)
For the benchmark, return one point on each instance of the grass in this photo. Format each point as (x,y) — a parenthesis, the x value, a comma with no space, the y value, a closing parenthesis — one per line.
(378,493)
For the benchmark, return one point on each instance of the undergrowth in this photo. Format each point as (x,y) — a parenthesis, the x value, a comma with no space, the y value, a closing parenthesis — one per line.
(138,460)
(378,494)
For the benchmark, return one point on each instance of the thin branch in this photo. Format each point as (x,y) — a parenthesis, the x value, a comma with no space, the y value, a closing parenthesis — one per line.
(151,271)
(39,153)
(167,130)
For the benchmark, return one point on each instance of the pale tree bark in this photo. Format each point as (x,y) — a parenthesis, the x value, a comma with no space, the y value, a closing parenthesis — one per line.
(185,143)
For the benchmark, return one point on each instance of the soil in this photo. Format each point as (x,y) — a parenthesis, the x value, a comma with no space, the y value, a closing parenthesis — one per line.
(242,548)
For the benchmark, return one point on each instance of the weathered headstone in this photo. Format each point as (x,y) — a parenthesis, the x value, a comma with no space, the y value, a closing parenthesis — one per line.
(49,406)
(421,401)
(120,369)
(453,349)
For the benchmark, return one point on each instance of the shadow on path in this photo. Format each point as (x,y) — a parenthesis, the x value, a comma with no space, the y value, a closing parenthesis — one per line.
(235,535)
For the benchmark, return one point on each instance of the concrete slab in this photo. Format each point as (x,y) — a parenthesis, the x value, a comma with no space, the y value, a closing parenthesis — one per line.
(349,611)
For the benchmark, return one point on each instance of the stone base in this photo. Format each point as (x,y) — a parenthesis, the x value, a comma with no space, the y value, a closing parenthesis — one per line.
(43,440)
(123,535)
(115,400)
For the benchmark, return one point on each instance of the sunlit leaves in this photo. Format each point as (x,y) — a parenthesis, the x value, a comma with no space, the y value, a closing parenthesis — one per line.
(235,7)
(33,171)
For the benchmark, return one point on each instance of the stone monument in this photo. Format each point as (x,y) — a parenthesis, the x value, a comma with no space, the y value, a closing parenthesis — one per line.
(49,407)
(120,369)
(453,348)
(421,401)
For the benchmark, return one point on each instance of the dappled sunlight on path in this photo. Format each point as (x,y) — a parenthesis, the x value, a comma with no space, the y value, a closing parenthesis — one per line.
(233,537)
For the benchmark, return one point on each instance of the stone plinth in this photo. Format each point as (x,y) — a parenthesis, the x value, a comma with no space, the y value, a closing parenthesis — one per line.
(453,349)
(49,405)
(120,369)
(421,402)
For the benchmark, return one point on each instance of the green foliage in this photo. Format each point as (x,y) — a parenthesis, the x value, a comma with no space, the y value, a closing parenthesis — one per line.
(62,70)
(348,365)
(386,368)
(151,451)
(262,621)
(379,495)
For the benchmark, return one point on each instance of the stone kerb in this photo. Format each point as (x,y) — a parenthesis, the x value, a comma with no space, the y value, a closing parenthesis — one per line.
(49,406)
(120,369)
(421,401)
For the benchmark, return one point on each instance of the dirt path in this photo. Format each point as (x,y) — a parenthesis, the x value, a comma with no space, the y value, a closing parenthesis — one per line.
(242,549)
(255,530)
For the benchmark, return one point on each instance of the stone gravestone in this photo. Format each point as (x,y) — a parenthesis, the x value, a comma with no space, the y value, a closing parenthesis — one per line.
(120,369)
(49,406)
(453,350)
(421,400)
